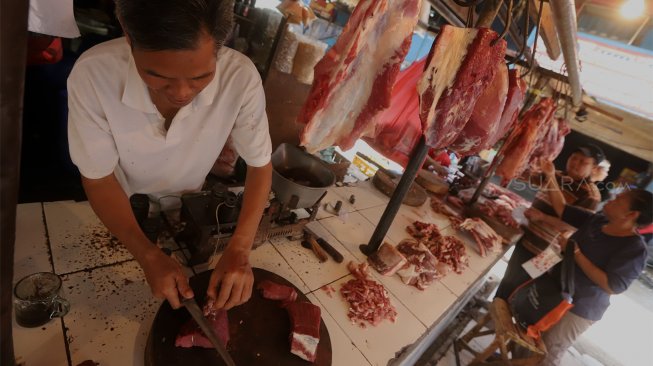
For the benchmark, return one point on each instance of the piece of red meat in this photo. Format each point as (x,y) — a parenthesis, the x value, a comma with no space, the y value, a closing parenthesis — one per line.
(274,291)
(387,260)
(514,102)
(190,334)
(422,267)
(305,324)
(353,81)
(524,140)
(461,64)
(486,115)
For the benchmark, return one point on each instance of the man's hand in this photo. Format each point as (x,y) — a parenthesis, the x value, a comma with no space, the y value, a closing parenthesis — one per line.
(534,215)
(547,168)
(165,277)
(233,275)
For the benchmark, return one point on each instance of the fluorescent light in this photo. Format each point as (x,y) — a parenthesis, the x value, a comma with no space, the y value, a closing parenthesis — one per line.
(632,9)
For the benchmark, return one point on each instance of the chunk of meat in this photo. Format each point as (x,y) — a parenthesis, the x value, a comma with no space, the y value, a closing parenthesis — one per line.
(368,300)
(486,238)
(353,81)
(514,102)
(446,249)
(305,319)
(486,115)
(422,267)
(523,141)
(387,260)
(274,291)
(190,334)
(550,146)
(460,66)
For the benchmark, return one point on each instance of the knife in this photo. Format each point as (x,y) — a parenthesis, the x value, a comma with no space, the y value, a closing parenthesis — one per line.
(198,315)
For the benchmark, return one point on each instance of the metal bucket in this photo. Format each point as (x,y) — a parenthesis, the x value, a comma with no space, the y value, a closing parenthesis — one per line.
(298,173)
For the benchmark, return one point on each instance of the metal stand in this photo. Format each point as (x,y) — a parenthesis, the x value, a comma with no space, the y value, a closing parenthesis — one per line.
(415,163)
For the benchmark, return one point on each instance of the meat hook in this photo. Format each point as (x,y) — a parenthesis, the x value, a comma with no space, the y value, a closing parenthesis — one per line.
(525,32)
(537,33)
(505,29)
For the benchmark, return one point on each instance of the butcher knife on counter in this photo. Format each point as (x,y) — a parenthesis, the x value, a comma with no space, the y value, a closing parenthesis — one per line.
(197,314)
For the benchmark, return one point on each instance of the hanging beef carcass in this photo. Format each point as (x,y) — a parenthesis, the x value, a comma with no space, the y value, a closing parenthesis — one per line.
(524,140)
(550,146)
(398,128)
(486,115)
(354,80)
(514,102)
(460,66)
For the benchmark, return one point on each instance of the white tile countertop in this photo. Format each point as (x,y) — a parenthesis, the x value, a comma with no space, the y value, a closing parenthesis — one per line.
(112,308)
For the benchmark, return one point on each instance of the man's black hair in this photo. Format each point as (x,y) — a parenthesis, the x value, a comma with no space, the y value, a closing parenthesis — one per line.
(642,202)
(157,25)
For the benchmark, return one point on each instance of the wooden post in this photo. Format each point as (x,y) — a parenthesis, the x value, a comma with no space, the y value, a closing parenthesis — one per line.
(490,11)
(13,46)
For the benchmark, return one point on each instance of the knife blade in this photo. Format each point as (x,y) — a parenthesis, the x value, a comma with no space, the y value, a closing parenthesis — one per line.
(197,314)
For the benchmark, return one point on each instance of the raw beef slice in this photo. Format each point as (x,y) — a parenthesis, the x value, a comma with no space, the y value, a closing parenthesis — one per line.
(190,334)
(305,324)
(274,291)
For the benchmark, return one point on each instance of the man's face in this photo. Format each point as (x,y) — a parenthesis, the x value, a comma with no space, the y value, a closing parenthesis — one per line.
(175,77)
(618,209)
(579,166)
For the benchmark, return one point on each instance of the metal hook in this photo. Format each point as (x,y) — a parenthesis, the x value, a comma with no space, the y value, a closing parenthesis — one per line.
(508,22)
(525,32)
(470,17)
(537,33)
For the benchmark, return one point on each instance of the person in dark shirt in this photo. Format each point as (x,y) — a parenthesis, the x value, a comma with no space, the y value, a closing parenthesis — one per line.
(609,256)
(577,189)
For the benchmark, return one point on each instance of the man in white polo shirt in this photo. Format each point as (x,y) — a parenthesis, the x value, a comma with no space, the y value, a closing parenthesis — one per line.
(150,113)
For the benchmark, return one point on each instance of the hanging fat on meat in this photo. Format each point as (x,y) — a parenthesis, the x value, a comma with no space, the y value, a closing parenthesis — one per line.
(353,81)
(514,102)
(486,116)
(460,66)
(305,319)
(387,260)
(523,141)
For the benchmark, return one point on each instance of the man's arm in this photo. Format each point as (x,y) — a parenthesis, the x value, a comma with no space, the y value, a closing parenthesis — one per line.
(552,188)
(233,273)
(111,205)
(594,273)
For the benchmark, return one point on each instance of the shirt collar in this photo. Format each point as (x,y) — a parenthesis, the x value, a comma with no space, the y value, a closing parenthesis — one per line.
(136,95)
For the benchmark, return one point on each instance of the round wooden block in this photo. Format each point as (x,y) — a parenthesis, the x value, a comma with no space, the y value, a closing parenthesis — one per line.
(386,182)
(432,182)
(259,332)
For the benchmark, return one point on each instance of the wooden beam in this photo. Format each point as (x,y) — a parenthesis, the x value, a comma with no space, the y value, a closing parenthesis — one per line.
(547,29)
(13,52)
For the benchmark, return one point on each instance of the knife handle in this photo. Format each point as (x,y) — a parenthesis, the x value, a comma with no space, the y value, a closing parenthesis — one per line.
(317,249)
(333,252)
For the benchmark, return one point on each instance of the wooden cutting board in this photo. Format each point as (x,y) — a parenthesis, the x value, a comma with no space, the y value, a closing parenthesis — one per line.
(259,332)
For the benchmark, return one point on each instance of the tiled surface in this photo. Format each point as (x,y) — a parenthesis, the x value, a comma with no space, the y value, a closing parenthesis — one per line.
(330,199)
(365,195)
(306,264)
(112,310)
(78,239)
(344,352)
(31,249)
(352,232)
(379,343)
(30,256)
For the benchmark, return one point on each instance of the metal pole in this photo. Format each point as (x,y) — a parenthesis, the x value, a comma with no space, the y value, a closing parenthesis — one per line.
(415,163)
(13,46)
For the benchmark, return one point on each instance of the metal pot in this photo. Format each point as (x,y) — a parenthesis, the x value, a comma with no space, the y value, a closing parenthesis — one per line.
(298,173)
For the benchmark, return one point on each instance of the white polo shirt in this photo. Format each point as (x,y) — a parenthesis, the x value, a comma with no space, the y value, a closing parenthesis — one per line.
(113,126)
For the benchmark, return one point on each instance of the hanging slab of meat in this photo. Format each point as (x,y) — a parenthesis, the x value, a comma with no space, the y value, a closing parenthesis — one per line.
(353,81)
(305,321)
(387,260)
(190,334)
(422,267)
(368,300)
(514,102)
(460,66)
(487,240)
(486,115)
(550,146)
(523,142)
(274,291)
